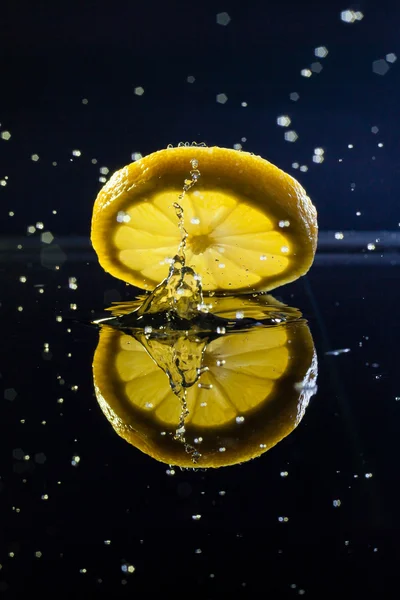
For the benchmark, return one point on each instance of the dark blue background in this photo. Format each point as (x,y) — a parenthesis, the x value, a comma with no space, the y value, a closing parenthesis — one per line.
(53,56)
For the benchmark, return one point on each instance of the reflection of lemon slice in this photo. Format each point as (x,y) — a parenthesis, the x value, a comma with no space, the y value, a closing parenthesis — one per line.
(254,393)
(251,226)
(260,307)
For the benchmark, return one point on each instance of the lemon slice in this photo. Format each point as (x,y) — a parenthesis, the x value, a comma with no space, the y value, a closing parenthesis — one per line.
(250,226)
(254,393)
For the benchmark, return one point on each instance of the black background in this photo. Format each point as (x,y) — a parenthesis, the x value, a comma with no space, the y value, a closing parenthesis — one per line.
(51,57)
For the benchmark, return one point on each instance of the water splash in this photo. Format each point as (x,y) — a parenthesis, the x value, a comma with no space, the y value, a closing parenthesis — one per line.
(180,356)
(181,295)
(174,324)
(181,292)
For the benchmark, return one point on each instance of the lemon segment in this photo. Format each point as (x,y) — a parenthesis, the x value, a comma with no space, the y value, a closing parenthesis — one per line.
(237,380)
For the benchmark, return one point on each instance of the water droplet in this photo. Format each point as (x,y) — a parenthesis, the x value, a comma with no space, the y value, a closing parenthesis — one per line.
(127,568)
(123,217)
(337,352)
(283,121)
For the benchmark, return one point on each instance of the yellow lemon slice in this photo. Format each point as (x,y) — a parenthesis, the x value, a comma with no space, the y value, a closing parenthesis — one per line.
(254,393)
(250,226)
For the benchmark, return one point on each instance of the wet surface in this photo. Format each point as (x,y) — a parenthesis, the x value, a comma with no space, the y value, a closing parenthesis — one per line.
(69,484)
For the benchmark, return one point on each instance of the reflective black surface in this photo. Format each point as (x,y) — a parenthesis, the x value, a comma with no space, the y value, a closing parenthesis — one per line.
(334,477)
(78,505)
